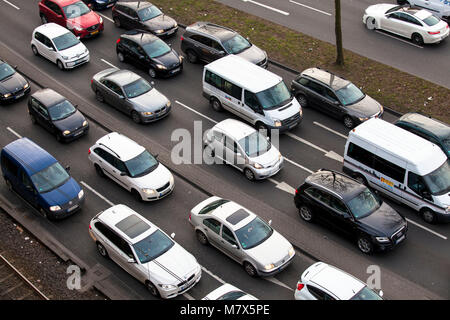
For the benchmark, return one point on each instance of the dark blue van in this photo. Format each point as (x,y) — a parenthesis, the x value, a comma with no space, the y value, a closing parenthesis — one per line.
(39,178)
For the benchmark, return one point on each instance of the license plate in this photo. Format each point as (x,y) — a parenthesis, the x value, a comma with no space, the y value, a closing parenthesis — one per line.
(175,70)
(171,31)
(110,5)
(72,208)
(292,125)
(78,133)
(400,239)
(94,32)
(20,95)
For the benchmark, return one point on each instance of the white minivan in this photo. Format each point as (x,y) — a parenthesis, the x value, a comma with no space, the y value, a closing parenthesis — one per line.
(440,8)
(252,93)
(402,165)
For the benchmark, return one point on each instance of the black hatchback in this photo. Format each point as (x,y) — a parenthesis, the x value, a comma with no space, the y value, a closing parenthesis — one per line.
(350,207)
(56,114)
(149,52)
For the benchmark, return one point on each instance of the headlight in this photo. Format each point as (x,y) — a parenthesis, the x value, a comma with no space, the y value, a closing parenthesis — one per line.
(147,113)
(382,239)
(26,85)
(65,57)
(291,251)
(363,119)
(55,208)
(269,266)
(167,286)
(175,25)
(257,165)
(101,20)
(171,180)
(7,95)
(78,28)
(181,58)
(382,109)
(301,112)
(80,194)
(447,210)
(148,191)
(66,132)
(277,123)
(279,155)
(84,123)
(159,31)
(168,104)
(160,66)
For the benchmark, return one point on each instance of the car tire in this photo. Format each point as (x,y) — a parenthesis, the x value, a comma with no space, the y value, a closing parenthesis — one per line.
(59,138)
(192,56)
(8,184)
(250,269)
(60,64)
(301,98)
(306,213)
(371,23)
(120,56)
(117,22)
(101,249)
(348,122)
(44,19)
(136,195)
(249,174)
(99,96)
(428,216)
(152,289)
(43,213)
(365,245)
(152,72)
(417,39)
(35,50)
(33,119)
(216,105)
(135,116)
(201,237)
(99,171)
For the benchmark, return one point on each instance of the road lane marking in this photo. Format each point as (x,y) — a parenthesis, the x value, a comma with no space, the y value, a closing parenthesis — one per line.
(425,228)
(278,282)
(107,18)
(12,5)
(304,5)
(195,111)
(109,63)
(329,129)
(13,132)
(282,186)
(97,193)
(393,37)
(330,154)
(267,7)
(298,165)
(213,275)
(188,296)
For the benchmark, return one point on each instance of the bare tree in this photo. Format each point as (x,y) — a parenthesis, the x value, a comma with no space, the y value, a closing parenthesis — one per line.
(338,31)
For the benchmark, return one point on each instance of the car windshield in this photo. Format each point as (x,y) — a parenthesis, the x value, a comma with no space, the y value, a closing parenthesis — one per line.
(76,9)
(366,294)
(141,165)
(254,233)
(50,178)
(438,181)
(275,96)
(255,144)
(349,94)
(137,88)
(6,71)
(149,13)
(431,20)
(61,110)
(446,143)
(236,44)
(232,295)
(363,204)
(153,246)
(65,41)
(156,48)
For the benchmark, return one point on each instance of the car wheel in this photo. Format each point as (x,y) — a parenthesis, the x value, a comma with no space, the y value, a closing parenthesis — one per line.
(152,73)
(135,116)
(101,249)
(136,195)
(152,288)
(59,138)
(192,56)
(417,39)
(35,50)
(305,213)
(216,105)
(301,98)
(33,119)
(8,184)
(99,96)
(60,65)
(348,122)
(117,22)
(120,56)
(43,19)
(371,23)
(428,216)
(251,271)
(43,213)
(99,171)
(249,174)
(201,237)
(365,245)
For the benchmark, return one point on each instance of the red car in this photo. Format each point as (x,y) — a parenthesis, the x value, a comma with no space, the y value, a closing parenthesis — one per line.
(74,15)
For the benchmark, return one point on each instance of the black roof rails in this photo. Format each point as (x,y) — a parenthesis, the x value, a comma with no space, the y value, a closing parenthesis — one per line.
(101,144)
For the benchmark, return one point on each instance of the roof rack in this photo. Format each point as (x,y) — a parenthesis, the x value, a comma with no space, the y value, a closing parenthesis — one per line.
(101,144)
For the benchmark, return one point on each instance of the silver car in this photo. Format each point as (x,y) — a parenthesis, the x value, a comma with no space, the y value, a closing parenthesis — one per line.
(131,94)
(244,148)
(242,236)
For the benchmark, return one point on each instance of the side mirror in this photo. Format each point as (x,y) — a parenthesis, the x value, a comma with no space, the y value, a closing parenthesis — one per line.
(67,168)
(156,155)
(78,37)
(131,260)
(152,83)
(169,44)
(380,293)
(121,97)
(221,53)
(122,174)
(270,222)
(75,106)
(172,235)
(51,49)
(15,67)
(59,16)
(426,195)
(234,246)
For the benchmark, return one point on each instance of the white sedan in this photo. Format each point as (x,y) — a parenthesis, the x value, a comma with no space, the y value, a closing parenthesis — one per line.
(419,25)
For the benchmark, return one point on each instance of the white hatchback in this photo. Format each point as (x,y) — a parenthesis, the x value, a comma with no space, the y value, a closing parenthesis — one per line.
(131,166)
(59,45)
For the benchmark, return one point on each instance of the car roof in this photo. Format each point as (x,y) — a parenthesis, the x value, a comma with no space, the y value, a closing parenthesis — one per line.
(123,147)
(134,4)
(51,30)
(328,78)
(228,209)
(217,31)
(48,97)
(340,184)
(140,37)
(436,127)
(341,284)
(115,215)
(123,77)
(234,128)
(244,73)
(64,3)
(32,157)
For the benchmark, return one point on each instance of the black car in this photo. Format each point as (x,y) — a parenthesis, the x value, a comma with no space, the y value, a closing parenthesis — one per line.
(56,114)
(204,41)
(100,4)
(12,85)
(143,15)
(350,207)
(334,96)
(428,128)
(150,53)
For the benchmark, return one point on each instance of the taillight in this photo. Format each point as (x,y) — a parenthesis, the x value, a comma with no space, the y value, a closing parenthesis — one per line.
(190,216)
(92,81)
(434,32)
(300,286)
(181,38)
(89,151)
(118,40)
(296,191)
(90,228)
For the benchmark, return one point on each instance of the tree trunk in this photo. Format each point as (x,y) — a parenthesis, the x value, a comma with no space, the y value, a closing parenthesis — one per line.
(338,31)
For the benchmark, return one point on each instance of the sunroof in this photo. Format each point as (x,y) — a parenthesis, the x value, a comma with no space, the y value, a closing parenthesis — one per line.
(237,216)
(132,226)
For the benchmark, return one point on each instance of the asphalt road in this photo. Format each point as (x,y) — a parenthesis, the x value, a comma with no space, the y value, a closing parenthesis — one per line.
(316,18)
(419,268)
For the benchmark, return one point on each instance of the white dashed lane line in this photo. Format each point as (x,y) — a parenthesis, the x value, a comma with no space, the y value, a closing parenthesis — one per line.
(330,130)
(13,132)
(107,18)
(109,63)
(311,8)
(11,4)
(267,7)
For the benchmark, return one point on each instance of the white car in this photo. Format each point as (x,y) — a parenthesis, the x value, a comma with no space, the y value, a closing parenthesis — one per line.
(322,281)
(419,25)
(131,166)
(144,251)
(228,292)
(241,235)
(59,45)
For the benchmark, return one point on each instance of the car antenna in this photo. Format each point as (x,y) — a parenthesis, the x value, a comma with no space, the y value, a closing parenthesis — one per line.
(139,2)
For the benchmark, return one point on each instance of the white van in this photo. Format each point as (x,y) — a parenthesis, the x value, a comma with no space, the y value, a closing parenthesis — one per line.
(252,93)
(402,165)
(440,8)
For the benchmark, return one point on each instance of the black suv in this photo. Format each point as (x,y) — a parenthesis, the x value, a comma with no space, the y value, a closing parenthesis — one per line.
(144,16)
(335,96)
(150,53)
(352,208)
(207,42)
(428,128)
